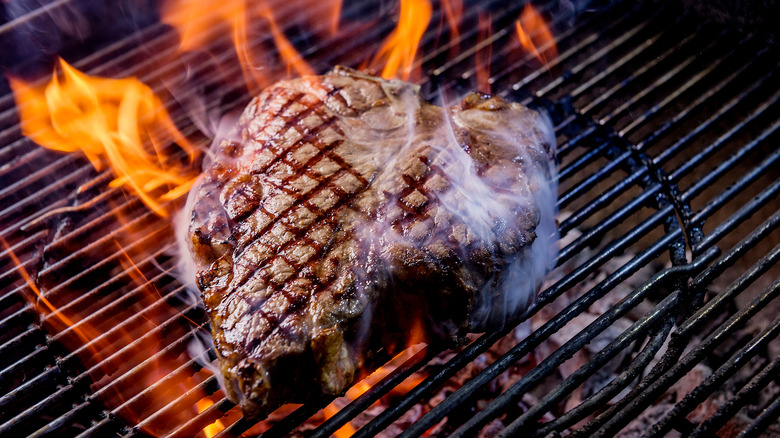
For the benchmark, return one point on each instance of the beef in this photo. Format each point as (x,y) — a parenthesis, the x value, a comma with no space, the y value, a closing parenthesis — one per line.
(346,218)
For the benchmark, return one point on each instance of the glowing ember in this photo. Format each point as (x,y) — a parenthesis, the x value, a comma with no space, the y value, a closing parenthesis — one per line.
(372,379)
(120,120)
(398,51)
(214,428)
(535,36)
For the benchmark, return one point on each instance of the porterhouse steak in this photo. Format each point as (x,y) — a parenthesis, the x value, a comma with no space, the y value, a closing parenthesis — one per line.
(346,218)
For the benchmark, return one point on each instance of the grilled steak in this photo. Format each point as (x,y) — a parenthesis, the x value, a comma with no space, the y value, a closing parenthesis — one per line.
(346,218)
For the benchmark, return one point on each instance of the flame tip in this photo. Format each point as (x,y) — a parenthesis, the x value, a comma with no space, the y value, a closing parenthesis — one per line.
(111,121)
(535,35)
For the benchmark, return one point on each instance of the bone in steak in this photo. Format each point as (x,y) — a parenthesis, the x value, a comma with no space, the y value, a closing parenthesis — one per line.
(346,217)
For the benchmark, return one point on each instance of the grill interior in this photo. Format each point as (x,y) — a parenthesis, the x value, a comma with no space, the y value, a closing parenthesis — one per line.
(667,132)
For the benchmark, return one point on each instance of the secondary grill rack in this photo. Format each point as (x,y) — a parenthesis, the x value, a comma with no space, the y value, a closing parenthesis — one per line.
(643,98)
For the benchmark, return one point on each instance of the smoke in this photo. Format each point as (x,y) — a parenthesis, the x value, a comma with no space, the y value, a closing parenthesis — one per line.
(40,30)
(497,163)
(186,270)
(455,230)
(482,201)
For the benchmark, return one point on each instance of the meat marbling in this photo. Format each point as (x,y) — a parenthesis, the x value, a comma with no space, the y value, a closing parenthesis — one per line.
(346,217)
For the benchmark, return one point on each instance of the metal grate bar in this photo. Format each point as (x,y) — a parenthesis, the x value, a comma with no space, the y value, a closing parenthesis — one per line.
(465,57)
(590,181)
(234,72)
(750,208)
(186,399)
(613,388)
(10,269)
(596,153)
(705,278)
(237,70)
(467,53)
(567,350)
(707,312)
(727,164)
(648,394)
(721,141)
(593,234)
(605,97)
(606,197)
(469,354)
(19,290)
(671,97)
(603,199)
(374,393)
(125,53)
(111,286)
(740,399)
(110,424)
(703,125)
(553,325)
(662,312)
(85,378)
(578,341)
(763,421)
(701,392)
(666,77)
(422,426)
(584,66)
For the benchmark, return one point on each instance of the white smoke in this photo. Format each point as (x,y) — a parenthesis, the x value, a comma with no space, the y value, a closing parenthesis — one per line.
(186,270)
(513,291)
(485,207)
(487,203)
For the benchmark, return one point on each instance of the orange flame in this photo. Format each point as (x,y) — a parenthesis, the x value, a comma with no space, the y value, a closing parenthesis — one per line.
(453,11)
(484,53)
(372,379)
(198,22)
(119,349)
(39,296)
(253,76)
(114,119)
(399,49)
(291,58)
(214,428)
(534,34)
(335,15)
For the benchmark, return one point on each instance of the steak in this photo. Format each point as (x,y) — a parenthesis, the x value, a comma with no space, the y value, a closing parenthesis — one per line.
(346,219)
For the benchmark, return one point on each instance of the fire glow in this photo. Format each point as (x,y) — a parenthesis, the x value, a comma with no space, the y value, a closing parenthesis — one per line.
(119,120)
(535,36)
(399,50)
(122,125)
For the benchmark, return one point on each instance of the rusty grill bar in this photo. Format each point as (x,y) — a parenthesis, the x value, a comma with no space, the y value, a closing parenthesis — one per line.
(667,128)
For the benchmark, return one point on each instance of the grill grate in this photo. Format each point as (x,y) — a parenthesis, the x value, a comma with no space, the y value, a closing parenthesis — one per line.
(666,127)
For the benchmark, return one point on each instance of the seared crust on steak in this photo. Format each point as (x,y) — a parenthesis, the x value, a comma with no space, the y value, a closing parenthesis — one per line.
(347,218)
